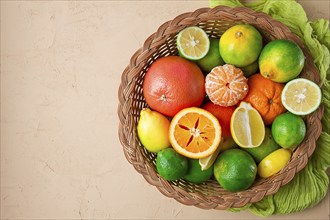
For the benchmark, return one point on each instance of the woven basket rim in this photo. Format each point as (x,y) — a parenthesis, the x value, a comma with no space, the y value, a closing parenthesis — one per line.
(128,137)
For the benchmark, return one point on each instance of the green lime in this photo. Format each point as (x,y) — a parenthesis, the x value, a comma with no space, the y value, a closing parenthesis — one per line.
(267,146)
(281,60)
(212,58)
(288,130)
(195,174)
(235,170)
(193,43)
(170,164)
(240,45)
(250,69)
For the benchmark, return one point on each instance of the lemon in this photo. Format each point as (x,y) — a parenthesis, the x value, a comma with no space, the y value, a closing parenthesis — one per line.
(212,58)
(281,60)
(274,162)
(193,43)
(171,165)
(235,170)
(301,96)
(246,126)
(288,130)
(152,130)
(196,174)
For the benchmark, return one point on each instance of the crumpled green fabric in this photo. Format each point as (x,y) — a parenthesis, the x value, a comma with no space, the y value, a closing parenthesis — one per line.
(311,184)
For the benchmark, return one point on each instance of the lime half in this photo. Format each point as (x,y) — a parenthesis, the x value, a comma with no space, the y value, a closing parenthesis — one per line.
(301,96)
(193,43)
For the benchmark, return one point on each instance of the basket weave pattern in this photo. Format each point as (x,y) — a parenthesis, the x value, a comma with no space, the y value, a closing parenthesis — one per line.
(208,195)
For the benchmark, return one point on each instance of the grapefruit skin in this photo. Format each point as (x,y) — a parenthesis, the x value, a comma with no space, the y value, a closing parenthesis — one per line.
(173,83)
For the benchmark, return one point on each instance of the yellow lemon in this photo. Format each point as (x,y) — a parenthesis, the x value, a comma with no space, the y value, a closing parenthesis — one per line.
(274,162)
(152,130)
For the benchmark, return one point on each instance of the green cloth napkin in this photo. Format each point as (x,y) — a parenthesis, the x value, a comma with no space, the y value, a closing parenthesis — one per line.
(311,184)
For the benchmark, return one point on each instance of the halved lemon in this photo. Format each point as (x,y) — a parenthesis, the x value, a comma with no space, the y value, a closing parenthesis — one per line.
(193,43)
(195,132)
(301,96)
(246,126)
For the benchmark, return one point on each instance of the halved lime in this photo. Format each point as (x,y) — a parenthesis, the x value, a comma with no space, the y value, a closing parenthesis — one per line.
(301,96)
(193,43)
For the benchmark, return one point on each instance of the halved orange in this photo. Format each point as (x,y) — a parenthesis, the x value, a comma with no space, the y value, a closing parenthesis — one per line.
(195,132)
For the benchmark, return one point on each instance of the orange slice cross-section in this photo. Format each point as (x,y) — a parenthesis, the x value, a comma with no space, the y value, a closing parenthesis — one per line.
(195,133)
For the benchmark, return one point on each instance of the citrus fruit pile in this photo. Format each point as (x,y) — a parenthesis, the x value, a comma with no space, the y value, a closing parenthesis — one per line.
(228,108)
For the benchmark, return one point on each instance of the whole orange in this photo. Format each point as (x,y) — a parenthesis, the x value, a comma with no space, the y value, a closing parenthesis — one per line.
(223,114)
(265,96)
(173,83)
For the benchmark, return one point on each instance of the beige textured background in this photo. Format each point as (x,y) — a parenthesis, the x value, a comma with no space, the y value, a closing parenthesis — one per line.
(61,63)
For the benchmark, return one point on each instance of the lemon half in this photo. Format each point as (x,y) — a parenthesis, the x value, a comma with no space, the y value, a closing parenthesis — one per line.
(247,126)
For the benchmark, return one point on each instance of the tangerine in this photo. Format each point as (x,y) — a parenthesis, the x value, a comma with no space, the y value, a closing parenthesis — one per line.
(226,85)
(265,96)
(173,83)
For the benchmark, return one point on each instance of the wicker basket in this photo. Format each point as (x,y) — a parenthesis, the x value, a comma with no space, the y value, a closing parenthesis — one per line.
(208,195)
